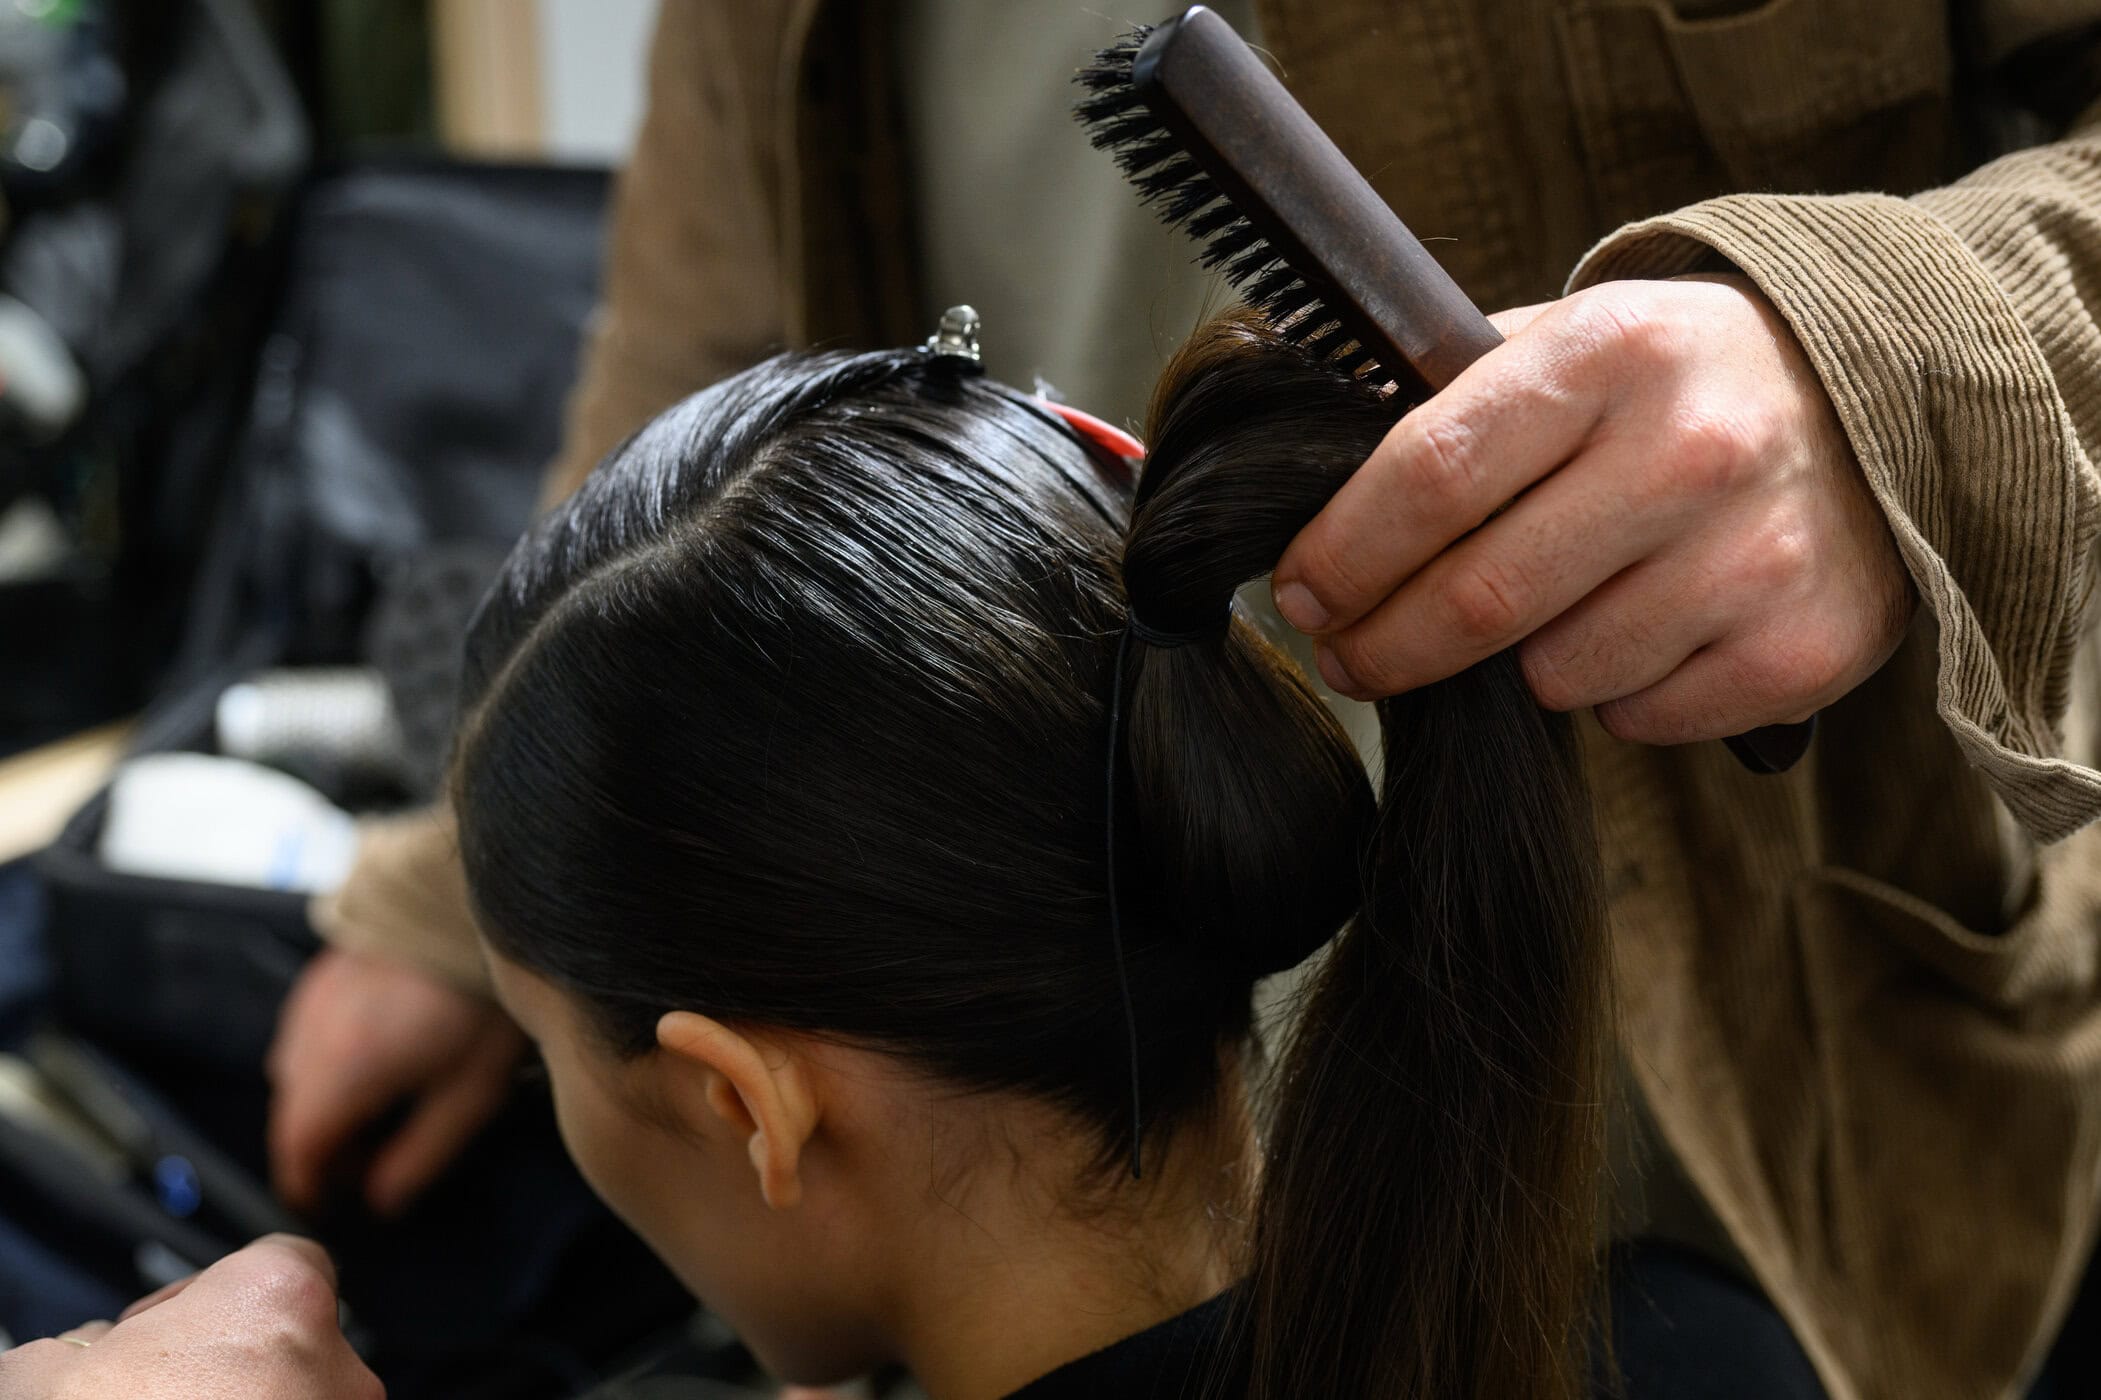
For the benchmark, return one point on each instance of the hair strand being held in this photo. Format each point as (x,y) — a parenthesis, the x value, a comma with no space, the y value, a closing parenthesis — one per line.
(1426,1219)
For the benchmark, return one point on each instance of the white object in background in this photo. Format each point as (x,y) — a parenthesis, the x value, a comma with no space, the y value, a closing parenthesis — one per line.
(33,541)
(192,816)
(343,714)
(594,69)
(550,80)
(39,378)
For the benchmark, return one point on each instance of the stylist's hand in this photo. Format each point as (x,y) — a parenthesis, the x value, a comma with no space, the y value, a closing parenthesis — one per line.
(358,1036)
(1689,546)
(258,1325)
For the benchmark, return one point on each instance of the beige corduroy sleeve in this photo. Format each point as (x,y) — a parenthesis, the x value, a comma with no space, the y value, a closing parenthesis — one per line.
(1958,333)
(692,292)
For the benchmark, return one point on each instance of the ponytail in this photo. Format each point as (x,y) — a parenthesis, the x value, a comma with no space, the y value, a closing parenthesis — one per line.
(1425,1224)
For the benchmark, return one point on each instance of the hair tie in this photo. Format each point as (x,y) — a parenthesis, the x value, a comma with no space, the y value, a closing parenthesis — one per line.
(1167,640)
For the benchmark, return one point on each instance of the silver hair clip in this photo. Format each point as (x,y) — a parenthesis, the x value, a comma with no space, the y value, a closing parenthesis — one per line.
(957,335)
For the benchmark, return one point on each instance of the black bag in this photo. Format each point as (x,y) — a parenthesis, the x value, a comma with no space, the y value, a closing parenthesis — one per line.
(408,398)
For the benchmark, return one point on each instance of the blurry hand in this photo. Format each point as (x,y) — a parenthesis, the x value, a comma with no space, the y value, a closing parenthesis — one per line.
(258,1325)
(357,1036)
(1689,544)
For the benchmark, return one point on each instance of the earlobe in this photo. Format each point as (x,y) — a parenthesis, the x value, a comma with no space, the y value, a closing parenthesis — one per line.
(759,1092)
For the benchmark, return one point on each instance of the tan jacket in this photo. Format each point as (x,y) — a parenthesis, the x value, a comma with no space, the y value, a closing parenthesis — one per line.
(1860,1000)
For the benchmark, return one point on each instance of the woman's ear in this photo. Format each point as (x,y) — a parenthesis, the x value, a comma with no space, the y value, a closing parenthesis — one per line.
(759,1090)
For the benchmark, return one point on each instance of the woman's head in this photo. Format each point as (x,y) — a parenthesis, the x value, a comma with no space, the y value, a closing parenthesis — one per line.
(796,715)
(786,757)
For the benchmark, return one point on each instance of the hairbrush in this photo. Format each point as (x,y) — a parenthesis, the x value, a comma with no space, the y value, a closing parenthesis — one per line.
(1216,146)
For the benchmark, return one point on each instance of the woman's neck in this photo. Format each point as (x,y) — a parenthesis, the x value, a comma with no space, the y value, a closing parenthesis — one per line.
(1007,1283)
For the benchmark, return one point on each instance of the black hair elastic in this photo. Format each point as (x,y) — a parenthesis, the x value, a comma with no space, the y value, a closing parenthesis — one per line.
(1166,640)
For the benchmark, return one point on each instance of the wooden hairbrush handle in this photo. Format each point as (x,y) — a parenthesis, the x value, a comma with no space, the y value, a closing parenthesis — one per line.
(1316,212)
(1306,200)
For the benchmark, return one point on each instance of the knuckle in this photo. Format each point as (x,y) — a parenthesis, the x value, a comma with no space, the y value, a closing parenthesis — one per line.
(1780,558)
(290,1289)
(1334,573)
(1614,323)
(1653,719)
(1774,679)
(1629,721)
(1485,602)
(1441,466)
(1371,665)
(1815,662)
(1711,451)
(1549,677)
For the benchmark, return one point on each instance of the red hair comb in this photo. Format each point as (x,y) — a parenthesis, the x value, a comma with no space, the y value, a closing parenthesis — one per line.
(1107,436)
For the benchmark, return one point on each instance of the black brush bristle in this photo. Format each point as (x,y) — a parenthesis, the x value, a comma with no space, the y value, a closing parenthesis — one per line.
(1170,181)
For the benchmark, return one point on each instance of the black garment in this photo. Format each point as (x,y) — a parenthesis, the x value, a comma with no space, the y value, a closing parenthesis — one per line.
(1684,1328)
(1169,1361)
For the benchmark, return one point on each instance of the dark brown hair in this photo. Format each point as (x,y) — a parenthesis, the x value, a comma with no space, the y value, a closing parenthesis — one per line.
(796,714)
(1426,1221)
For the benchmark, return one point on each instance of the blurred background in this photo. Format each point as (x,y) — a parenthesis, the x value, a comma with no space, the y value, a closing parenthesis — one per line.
(290,298)
(156,163)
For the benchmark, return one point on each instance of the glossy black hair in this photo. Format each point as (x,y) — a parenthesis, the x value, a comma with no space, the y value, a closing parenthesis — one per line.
(796,715)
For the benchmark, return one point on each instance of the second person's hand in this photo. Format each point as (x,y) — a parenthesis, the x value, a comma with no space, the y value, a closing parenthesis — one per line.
(360,1034)
(1689,544)
(258,1325)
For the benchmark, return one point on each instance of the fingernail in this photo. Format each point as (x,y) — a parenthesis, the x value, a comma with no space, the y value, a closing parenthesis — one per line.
(1300,608)
(1336,674)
